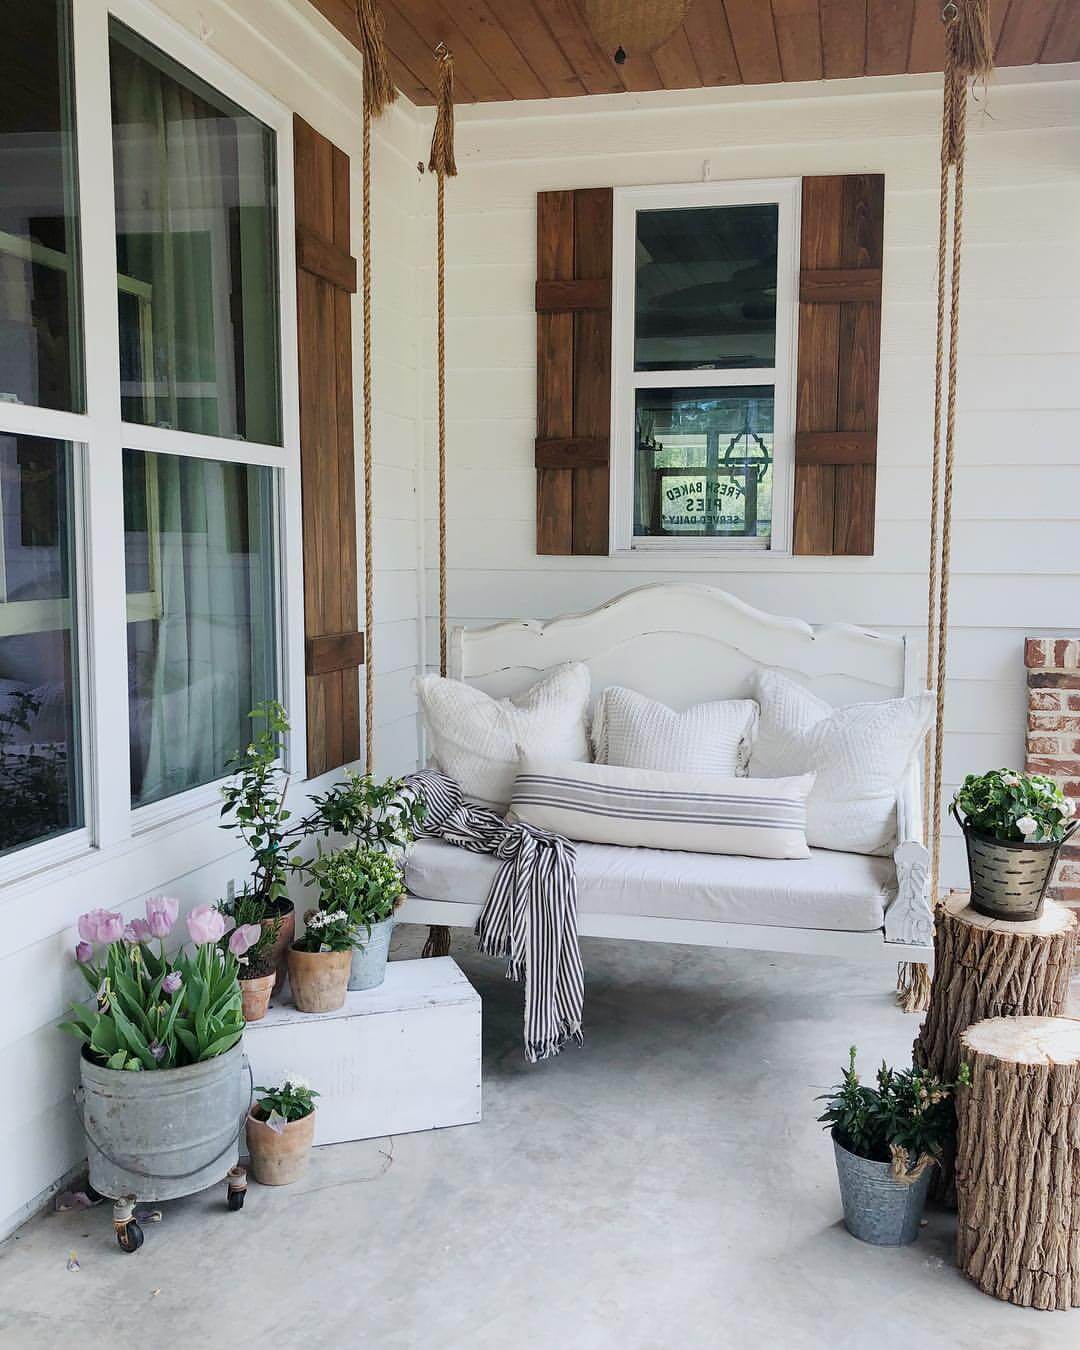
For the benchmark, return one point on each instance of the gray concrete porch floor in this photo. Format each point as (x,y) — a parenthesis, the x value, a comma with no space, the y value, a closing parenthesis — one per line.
(667,1186)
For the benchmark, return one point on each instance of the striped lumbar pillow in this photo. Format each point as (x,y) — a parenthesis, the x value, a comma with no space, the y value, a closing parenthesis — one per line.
(701,813)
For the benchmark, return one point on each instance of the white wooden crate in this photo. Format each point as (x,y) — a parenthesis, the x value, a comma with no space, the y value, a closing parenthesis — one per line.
(403,1057)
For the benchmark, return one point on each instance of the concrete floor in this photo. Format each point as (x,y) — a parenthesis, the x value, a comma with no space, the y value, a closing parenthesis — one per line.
(665,1187)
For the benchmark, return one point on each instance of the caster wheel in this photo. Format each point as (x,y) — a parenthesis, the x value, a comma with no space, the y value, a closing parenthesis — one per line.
(237,1188)
(130,1237)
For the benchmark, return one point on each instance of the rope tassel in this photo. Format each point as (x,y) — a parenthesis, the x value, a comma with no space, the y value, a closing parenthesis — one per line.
(441,160)
(379,90)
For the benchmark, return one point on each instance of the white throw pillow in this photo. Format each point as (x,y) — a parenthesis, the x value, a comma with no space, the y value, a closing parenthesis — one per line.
(700,813)
(639,733)
(478,740)
(860,754)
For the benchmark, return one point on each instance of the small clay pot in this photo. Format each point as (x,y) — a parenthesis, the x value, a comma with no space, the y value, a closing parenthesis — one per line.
(319,980)
(286,936)
(255,994)
(277,1158)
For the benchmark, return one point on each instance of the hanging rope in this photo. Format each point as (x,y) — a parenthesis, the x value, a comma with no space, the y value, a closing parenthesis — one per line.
(968,55)
(379,93)
(442,164)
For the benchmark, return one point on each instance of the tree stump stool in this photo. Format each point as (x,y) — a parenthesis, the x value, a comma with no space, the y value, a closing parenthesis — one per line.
(986,968)
(1018,1160)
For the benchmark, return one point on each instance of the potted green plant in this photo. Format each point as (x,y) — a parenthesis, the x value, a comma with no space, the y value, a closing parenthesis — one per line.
(1014,825)
(257,938)
(368,884)
(886,1139)
(281,1130)
(320,960)
(163,1086)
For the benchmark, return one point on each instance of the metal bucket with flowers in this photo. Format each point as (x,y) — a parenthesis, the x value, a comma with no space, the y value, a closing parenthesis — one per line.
(1014,826)
(165,1086)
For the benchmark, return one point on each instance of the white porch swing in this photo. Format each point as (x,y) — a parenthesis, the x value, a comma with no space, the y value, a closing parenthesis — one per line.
(684,644)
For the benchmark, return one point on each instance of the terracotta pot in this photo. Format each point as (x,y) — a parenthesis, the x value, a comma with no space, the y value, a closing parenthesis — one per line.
(278,1158)
(286,936)
(255,994)
(319,980)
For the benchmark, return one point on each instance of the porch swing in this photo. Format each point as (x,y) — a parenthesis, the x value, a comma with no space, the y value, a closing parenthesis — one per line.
(687,643)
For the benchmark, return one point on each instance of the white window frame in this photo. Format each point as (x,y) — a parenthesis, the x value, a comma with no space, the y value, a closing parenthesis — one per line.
(786,194)
(99,436)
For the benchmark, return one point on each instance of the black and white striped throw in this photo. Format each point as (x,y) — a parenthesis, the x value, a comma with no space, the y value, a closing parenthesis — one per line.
(530,916)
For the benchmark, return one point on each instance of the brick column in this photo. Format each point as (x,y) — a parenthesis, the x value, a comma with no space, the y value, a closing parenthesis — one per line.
(1053,737)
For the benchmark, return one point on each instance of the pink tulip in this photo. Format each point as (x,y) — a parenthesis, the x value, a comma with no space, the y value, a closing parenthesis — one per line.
(83,952)
(244,937)
(138,930)
(172,982)
(161,912)
(205,924)
(110,927)
(88,923)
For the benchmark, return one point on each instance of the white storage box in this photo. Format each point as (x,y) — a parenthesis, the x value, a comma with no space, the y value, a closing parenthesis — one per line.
(403,1057)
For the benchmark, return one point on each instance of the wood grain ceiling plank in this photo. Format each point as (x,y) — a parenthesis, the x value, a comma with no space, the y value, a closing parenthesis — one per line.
(888,36)
(927,37)
(843,38)
(639,73)
(754,37)
(707,30)
(533,39)
(1024,32)
(435,23)
(492,37)
(798,37)
(676,64)
(1063,39)
(595,68)
(415,53)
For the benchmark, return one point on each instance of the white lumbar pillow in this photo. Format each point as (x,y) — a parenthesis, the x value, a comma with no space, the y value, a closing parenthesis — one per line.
(478,740)
(860,754)
(636,732)
(698,813)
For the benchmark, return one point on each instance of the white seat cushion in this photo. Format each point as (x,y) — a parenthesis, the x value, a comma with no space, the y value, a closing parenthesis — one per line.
(847,892)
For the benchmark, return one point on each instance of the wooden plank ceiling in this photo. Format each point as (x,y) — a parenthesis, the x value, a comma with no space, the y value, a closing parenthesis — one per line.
(522,49)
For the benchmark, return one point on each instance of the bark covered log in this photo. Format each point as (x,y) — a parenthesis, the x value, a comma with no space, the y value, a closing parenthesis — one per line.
(1018,1160)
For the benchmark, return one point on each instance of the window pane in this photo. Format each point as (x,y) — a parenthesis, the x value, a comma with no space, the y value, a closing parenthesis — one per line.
(40,325)
(201,616)
(196,230)
(703,466)
(705,295)
(40,775)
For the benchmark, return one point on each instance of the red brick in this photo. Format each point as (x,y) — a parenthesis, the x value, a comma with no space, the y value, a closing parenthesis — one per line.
(1068,874)
(1067,654)
(1052,679)
(1057,768)
(1048,700)
(1046,721)
(1073,703)
(1036,653)
(1065,895)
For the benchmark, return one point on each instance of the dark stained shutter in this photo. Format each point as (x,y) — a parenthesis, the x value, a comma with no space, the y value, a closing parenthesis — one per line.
(839,356)
(326,281)
(573,370)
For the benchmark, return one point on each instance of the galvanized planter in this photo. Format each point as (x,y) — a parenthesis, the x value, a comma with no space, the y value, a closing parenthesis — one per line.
(1008,879)
(164,1133)
(368,969)
(878,1208)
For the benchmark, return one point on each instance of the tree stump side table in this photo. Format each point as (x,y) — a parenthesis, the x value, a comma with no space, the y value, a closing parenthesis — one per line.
(1018,1160)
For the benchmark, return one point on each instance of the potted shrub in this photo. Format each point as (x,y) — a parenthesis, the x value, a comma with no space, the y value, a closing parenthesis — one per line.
(280,1131)
(319,962)
(886,1139)
(163,1081)
(368,884)
(1014,825)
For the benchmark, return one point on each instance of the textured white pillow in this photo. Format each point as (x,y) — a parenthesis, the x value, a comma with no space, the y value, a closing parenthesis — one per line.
(478,740)
(699,813)
(638,733)
(860,754)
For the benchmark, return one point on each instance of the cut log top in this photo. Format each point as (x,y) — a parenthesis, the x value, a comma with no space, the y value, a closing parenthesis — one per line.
(1046,1041)
(1054,919)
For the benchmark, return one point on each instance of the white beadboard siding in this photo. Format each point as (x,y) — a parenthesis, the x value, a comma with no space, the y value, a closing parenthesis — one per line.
(286,48)
(1015,563)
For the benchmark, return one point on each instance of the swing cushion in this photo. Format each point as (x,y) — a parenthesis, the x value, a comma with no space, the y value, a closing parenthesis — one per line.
(839,891)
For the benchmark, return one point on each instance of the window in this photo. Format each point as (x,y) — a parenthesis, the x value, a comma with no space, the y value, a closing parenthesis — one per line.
(148,477)
(703,350)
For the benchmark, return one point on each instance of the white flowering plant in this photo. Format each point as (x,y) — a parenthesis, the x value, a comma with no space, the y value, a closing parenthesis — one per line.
(292,1099)
(366,882)
(327,930)
(1014,807)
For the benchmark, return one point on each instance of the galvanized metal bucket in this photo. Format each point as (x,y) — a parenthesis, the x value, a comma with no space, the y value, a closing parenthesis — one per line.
(878,1208)
(1008,878)
(368,968)
(164,1133)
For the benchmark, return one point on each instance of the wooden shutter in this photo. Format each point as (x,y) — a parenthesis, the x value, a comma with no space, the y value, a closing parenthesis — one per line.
(325,283)
(573,370)
(839,354)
